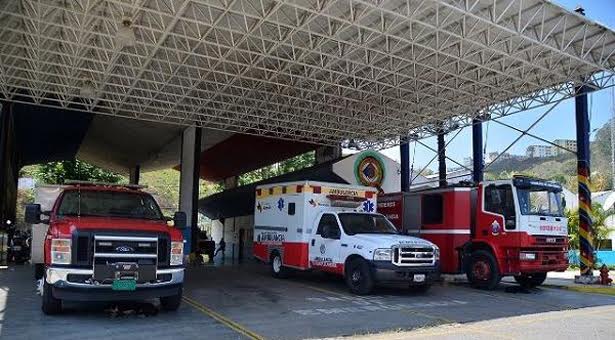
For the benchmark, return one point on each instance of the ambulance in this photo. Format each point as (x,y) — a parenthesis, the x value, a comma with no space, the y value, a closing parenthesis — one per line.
(334,228)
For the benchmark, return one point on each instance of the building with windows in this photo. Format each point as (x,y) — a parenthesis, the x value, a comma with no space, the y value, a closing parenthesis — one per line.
(569,144)
(539,151)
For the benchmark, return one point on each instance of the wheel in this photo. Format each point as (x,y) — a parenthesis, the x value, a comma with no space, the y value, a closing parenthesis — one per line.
(419,288)
(277,268)
(531,280)
(171,303)
(483,270)
(359,277)
(39,271)
(50,305)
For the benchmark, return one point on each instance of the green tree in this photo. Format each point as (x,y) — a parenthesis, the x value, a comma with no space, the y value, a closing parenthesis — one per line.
(60,172)
(292,164)
(601,230)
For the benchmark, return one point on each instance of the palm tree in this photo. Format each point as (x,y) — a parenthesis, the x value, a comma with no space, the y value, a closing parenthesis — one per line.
(601,230)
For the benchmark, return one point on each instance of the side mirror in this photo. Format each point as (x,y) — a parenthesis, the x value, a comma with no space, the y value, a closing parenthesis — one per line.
(563,202)
(33,213)
(180,220)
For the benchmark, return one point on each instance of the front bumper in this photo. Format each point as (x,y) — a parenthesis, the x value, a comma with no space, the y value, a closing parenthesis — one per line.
(545,261)
(65,289)
(387,272)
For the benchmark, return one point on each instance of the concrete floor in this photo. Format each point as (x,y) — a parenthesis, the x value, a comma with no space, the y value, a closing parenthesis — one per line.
(245,302)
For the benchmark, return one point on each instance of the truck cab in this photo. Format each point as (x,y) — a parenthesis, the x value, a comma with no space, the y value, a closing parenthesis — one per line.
(334,228)
(510,227)
(108,242)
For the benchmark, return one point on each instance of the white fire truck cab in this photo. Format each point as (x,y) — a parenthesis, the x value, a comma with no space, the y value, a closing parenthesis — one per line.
(334,228)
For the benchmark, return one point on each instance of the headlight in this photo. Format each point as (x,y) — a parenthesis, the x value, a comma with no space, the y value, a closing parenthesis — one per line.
(436,253)
(527,256)
(177,253)
(60,251)
(382,254)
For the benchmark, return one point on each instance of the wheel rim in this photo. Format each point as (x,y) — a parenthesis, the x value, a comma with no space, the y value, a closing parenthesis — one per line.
(356,276)
(481,270)
(277,264)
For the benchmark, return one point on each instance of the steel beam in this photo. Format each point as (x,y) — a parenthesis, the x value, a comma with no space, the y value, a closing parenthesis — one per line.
(477,150)
(441,159)
(586,234)
(404,156)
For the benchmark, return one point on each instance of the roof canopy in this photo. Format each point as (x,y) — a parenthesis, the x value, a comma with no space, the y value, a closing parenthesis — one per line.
(319,71)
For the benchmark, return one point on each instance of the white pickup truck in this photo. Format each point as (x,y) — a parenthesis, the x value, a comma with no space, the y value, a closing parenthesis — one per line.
(334,228)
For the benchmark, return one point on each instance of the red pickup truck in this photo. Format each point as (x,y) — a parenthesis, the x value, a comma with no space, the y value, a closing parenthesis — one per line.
(108,242)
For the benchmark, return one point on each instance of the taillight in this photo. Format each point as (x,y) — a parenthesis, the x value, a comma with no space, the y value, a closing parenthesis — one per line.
(60,251)
(177,253)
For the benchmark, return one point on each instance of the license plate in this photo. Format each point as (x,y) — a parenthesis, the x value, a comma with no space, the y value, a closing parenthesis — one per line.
(419,277)
(551,240)
(124,285)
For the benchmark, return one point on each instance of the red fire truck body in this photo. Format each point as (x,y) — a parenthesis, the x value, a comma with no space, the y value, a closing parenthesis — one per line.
(498,228)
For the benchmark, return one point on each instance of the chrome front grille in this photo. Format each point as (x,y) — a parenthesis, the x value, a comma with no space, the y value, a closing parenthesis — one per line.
(413,256)
(113,249)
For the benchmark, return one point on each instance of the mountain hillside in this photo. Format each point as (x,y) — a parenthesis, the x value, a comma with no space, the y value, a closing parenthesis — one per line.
(563,168)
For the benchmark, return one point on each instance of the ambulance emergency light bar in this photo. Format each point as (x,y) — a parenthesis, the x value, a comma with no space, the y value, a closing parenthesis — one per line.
(107,184)
(343,201)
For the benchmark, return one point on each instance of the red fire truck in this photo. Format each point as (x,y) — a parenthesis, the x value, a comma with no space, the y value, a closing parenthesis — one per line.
(497,228)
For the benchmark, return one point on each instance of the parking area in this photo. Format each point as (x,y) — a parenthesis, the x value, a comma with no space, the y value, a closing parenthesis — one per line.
(245,302)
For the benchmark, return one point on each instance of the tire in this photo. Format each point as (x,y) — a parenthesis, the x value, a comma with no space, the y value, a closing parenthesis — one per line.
(482,270)
(419,288)
(39,271)
(277,267)
(531,280)
(171,303)
(50,304)
(359,277)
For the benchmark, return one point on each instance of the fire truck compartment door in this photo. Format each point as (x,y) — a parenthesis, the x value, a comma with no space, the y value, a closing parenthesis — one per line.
(325,251)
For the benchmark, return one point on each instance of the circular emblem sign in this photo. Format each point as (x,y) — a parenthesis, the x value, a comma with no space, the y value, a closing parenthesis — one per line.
(369,169)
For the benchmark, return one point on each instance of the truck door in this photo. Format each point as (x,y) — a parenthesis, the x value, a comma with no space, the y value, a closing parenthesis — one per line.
(325,245)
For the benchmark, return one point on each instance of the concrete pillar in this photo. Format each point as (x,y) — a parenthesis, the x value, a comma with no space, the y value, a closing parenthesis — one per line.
(441,159)
(404,157)
(9,166)
(328,153)
(477,150)
(231,182)
(134,174)
(586,233)
(189,183)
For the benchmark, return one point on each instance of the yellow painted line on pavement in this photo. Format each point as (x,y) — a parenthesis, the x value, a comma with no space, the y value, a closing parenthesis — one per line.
(222,319)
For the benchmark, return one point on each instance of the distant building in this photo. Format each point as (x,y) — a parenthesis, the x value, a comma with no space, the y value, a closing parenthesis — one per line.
(569,144)
(492,156)
(539,151)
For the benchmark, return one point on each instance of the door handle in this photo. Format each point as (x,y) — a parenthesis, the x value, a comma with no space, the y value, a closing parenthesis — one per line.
(543,218)
(313,241)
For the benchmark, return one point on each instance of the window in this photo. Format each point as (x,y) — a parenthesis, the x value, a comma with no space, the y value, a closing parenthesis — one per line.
(499,200)
(356,223)
(109,204)
(327,220)
(432,207)
(291,209)
(540,201)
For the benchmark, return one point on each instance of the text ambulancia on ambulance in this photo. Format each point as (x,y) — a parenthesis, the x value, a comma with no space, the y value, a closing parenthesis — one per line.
(335,228)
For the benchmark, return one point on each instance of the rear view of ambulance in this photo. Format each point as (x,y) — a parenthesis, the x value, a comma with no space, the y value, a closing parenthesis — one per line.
(335,228)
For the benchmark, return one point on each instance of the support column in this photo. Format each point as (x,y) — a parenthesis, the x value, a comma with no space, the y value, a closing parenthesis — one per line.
(189,184)
(328,153)
(441,159)
(134,174)
(404,157)
(477,150)
(586,234)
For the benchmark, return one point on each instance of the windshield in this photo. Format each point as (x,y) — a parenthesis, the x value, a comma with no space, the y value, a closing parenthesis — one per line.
(540,201)
(109,204)
(354,223)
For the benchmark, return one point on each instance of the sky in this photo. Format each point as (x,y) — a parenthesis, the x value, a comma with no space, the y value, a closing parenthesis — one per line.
(558,124)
